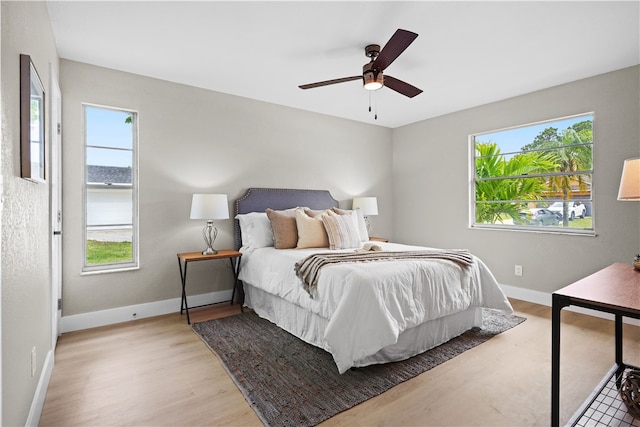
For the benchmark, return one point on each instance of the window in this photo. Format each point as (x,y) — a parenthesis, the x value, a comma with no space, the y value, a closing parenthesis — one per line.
(110,189)
(535,177)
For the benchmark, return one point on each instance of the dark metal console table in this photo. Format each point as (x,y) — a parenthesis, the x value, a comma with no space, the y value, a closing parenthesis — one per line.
(614,289)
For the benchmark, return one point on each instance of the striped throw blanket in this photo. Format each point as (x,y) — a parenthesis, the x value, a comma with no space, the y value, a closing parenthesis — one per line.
(309,268)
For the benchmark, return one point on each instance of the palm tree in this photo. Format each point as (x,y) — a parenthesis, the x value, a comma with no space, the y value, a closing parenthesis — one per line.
(490,194)
(572,153)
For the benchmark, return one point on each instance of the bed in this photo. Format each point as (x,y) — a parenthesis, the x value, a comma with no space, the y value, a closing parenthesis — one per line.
(364,312)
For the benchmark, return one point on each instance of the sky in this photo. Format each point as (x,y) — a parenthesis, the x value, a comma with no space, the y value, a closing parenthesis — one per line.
(512,140)
(107,128)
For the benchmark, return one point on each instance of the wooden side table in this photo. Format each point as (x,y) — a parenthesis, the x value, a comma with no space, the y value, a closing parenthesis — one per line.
(186,257)
(378,239)
(614,289)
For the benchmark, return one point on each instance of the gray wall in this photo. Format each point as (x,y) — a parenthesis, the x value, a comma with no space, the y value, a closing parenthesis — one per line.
(432,202)
(26,288)
(194,140)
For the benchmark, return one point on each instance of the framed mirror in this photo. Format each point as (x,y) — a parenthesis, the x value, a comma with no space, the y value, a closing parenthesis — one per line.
(32,147)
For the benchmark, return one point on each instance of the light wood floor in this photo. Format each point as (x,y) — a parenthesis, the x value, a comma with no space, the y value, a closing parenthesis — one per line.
(157,372)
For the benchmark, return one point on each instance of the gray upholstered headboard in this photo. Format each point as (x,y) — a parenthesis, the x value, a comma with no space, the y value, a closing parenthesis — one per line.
(259,199)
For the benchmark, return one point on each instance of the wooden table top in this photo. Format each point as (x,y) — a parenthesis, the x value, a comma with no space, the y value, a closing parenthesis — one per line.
(616,286)
(198,256)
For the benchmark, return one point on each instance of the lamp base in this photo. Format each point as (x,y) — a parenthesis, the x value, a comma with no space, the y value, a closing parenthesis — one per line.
(209,233)
(367,224)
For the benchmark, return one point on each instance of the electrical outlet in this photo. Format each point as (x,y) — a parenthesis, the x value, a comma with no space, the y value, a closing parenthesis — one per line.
(33,362)
(518,270)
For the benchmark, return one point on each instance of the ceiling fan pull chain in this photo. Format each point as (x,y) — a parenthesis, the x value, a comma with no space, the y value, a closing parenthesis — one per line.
(375,106)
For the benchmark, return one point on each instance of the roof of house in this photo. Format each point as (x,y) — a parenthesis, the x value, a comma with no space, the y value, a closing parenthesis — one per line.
(108,174)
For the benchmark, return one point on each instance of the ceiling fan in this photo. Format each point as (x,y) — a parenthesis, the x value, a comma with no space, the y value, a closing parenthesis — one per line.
(372,75)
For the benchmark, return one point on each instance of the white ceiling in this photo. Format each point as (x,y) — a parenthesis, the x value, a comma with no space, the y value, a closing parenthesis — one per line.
(466,54)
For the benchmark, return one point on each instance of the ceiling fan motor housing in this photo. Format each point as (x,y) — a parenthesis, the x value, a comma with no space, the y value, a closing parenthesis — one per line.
(372,51)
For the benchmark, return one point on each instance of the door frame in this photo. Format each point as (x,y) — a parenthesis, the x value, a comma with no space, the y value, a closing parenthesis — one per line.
(55,197)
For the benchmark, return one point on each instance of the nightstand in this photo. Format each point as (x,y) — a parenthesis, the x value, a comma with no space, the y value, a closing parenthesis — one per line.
(377,239)
(186,257)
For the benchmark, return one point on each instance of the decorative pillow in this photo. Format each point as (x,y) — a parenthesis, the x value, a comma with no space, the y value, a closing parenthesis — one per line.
(311,232)
(314,213)
(342,231)
(255,230)
(360,222)
(285,230)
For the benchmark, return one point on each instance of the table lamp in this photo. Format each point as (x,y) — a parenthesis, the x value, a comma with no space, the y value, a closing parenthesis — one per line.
(368,206)
(630,189)
(209,207)
(630,180)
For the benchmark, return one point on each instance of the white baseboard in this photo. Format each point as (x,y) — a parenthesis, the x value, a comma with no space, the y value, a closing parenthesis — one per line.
(94,319)
(33,419)
(543,298)
(140,311)
(528,295)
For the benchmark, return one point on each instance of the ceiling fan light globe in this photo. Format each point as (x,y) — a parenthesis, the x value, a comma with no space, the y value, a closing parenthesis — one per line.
(372,86)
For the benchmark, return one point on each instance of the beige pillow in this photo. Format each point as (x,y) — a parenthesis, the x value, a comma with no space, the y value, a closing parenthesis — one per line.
(311,232)
(285,230)
(342,231)
(314,213)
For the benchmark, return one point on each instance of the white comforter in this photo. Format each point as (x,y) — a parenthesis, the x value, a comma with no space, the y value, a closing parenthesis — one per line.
(370,304)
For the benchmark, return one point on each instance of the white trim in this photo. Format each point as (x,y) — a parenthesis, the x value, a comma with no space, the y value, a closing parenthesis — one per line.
(94,319)
(473,180)
(528,295)
(135,144)
(112,316)
(113,270)
(35,411)
(544,298)
(55,200)
(2,169)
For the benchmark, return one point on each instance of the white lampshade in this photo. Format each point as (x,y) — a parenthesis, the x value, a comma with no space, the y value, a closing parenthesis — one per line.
(630,180)
(209,206)
(368,205)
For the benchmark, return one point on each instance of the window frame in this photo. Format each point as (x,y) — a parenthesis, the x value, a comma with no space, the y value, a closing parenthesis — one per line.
(529,228)
(134,264)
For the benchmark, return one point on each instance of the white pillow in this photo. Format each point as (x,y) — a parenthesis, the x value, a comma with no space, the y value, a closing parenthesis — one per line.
(362,226)
(255,230)
(358,217)
(342,231)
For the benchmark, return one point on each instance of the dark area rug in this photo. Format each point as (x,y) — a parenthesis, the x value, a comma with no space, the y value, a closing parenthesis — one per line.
(291,383)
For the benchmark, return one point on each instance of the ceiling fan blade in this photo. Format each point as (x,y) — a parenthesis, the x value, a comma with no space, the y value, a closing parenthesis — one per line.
(330,82)
(401,87)
(400,40)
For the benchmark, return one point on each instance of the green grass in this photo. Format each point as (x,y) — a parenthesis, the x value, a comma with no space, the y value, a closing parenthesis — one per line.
(586,222)
(108,252)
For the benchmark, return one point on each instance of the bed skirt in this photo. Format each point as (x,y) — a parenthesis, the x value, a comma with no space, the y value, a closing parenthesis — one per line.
(310,327)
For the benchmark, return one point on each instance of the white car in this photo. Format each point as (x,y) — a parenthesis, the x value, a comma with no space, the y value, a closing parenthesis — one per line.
(575,209)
